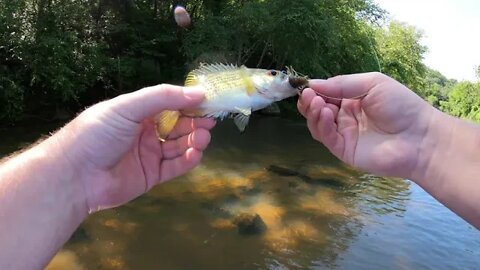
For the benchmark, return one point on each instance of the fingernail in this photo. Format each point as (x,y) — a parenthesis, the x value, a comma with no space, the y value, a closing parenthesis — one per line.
(316,81)
(193,92)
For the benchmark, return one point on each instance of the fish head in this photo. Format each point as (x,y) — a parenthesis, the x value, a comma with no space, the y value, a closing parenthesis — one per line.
(278,85)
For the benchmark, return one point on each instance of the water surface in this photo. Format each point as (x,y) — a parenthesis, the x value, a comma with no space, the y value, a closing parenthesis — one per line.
(318,213)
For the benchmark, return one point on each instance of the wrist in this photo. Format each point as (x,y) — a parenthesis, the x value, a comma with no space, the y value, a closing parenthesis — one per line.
(449,165)
(434,148)
(42,183)
(56,163)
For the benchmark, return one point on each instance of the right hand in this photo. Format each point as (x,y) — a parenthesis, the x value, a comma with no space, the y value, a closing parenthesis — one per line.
(381,133)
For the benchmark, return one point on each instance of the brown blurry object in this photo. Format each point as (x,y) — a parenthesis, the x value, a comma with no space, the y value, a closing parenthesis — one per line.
(182,18)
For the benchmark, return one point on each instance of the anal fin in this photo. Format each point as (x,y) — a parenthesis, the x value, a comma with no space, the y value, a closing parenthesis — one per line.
(242,118)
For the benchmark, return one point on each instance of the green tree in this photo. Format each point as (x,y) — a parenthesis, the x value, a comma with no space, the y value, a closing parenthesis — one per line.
(464,101)
(401,55)
(322,38)
(64,58)
(70,53)
(14,26)
(437,87)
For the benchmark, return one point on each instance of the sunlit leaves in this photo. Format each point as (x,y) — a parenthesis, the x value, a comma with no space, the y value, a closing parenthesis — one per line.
(464,101)
(401,54)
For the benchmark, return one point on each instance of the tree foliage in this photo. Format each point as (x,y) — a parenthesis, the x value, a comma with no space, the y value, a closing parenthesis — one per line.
(464,101)
(67,54)
(437,87)
(401,55)
(324,38)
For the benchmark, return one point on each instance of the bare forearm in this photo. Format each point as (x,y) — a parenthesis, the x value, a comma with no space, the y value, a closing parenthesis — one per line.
(40,206)
(450,165)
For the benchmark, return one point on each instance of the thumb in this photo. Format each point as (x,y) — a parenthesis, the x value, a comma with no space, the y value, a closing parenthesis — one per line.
(147,102)
(346,86)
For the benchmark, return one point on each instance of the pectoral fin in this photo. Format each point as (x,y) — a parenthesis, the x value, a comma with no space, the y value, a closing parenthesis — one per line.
(165,122)
(241,119)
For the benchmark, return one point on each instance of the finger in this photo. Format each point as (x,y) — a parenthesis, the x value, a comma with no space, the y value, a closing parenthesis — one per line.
(316,106)
(305,100)
(198,139)
(334,109)
(346,86)
(147,102)
(186,125)
(313,116)
(329,133)
(172,168)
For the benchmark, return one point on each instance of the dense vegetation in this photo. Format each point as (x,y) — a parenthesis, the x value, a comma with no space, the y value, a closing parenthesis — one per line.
(58,56)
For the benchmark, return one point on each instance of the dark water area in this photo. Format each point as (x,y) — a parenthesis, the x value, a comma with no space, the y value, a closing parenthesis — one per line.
(270,198)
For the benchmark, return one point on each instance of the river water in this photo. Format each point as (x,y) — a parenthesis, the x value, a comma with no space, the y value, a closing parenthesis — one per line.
(314,212)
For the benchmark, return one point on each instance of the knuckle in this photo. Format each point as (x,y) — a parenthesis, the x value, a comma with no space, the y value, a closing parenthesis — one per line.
(167,91)
(378,76)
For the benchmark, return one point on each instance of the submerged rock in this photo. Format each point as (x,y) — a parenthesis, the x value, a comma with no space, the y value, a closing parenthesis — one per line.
(325,182)
(282,171)
(249,224)
(215,210)
(251,191)
(292,184)
(231,198)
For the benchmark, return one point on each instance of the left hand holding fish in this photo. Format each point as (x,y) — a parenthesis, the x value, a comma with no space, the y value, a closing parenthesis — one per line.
(114,146)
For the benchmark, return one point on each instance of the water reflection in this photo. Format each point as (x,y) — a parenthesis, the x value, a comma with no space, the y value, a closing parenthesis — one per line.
(318,213)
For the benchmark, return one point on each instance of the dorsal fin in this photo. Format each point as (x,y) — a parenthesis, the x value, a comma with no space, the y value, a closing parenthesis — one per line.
(205,69)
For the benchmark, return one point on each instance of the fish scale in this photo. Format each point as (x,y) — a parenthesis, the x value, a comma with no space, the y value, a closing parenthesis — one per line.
(221,82)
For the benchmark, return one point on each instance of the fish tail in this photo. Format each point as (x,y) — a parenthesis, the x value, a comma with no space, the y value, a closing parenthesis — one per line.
(165,122)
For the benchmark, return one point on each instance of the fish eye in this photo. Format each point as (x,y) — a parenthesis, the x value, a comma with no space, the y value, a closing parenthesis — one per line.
(273,73)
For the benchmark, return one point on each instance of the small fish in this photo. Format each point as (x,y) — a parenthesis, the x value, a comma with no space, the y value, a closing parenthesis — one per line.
(232,91)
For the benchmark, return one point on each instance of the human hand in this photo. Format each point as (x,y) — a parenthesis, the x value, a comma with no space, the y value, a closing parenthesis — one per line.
(114,149)
(381,133)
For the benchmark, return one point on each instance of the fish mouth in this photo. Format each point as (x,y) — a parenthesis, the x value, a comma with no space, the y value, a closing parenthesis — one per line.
(298,82)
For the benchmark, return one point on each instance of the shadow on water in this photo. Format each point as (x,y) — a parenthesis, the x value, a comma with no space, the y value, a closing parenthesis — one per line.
(298,202)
